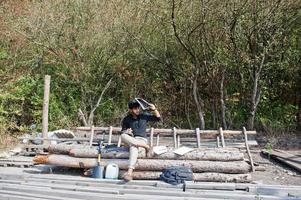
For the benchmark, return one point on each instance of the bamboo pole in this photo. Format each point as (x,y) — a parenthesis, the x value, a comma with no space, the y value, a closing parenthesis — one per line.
(45,107)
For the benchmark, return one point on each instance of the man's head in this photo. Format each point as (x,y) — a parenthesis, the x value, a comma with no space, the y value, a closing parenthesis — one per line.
(134,107)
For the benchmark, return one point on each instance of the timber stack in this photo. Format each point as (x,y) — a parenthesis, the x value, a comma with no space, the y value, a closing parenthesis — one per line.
(214,164)
(218,164)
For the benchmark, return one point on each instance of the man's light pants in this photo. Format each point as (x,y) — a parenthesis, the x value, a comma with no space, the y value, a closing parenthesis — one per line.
(133,142)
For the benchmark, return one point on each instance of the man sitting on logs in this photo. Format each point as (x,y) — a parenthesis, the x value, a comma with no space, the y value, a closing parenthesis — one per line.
(134,133)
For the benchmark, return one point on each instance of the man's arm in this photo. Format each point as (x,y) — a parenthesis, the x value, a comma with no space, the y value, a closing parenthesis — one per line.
(155,114)
(124,126)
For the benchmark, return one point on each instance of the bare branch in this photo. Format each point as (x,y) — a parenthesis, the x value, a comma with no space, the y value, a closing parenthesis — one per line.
(91,116)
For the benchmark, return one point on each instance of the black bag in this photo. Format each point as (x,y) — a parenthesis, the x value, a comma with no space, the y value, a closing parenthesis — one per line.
(176,175)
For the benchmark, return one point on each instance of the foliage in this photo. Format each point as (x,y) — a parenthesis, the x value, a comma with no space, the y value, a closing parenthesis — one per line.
(156,50)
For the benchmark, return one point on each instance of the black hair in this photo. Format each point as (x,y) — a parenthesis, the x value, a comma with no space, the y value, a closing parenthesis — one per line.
(133,104)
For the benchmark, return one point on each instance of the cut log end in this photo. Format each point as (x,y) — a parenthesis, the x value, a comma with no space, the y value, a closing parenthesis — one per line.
(41,159)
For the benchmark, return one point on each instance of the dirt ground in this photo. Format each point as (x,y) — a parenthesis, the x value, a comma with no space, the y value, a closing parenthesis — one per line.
(275,173)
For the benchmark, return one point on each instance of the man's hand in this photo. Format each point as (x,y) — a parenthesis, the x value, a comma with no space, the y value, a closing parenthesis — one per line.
(152,107)
(130,131)
(154,110)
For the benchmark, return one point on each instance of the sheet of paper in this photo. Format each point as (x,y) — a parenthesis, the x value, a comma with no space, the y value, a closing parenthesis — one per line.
(182,150)
(159,150)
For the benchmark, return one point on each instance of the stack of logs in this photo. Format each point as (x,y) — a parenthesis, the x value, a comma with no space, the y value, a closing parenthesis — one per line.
(208,164)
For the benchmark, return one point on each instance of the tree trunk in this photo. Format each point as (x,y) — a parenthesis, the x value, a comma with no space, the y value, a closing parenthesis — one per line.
(206,176)
(199,154)
(255,97)
(198,104)
(223,106)
(234,167)
(299,113)
(65,148)
(213,113)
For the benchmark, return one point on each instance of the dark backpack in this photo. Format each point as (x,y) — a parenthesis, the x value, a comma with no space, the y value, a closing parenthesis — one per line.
(176,175)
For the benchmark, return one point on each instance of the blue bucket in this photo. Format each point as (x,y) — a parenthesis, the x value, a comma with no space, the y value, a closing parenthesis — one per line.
(98,172)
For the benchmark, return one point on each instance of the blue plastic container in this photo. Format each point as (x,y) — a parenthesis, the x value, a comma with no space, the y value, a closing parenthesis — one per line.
(98,172)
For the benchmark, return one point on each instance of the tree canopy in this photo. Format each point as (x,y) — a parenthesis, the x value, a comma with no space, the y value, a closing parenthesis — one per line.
(204,63)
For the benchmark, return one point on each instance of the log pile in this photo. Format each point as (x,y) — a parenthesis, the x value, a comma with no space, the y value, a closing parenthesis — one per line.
(214,164)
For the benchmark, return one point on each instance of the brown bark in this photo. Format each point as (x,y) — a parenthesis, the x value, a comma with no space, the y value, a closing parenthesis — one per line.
(234,167)
(65,148)
(206,176)
(255,97)
(199,154)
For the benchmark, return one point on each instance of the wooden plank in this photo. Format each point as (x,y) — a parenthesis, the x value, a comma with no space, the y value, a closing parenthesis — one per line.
(96,193)
(290,160)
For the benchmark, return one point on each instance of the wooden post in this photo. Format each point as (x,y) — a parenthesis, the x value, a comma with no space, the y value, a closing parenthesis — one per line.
(198,137)
(91,136)
(151,138)
(158,139)
(217,142)
(248,150)
(222,136)
(110,135)
(45,107)
(119,142)
(175,137)
(178,141)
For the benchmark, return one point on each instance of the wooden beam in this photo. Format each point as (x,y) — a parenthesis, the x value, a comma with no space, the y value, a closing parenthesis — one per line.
(45,107)
(151,139)
(110,135)
(119,142)
(217,142)
(221,133)
(198,137)
(178,141)
(175,137)
(91,136)
(248,150)
(169,132)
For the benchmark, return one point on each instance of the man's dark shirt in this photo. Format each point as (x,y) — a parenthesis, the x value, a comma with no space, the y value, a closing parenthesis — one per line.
(138,125)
